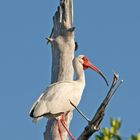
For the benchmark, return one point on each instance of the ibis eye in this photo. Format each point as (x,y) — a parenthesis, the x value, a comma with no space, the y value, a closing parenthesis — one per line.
(85,59)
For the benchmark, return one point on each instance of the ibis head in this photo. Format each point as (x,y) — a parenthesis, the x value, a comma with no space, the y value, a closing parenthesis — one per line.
(87,64)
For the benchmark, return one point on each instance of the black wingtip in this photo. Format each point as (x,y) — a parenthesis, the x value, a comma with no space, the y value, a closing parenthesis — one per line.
(32,113)
(76,46)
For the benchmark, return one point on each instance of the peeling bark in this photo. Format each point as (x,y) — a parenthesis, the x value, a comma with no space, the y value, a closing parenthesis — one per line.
(63,46)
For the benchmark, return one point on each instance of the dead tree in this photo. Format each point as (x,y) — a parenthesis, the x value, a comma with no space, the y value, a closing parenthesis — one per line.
(63,47)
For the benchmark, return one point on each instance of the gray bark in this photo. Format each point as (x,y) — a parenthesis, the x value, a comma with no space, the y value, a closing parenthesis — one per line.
(63,46)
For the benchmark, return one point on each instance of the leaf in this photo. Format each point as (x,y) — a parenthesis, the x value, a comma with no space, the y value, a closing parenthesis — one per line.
(106,138)
(133,137)
(106,131)
(97,137)
(112,122)
(113,130)
(138,137)
(118,123)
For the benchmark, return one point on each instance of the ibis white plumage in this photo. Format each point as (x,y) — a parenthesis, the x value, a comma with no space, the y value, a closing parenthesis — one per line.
(55,100)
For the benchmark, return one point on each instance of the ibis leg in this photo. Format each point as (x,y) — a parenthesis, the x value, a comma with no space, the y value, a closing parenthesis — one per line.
(59,128)
(64,124)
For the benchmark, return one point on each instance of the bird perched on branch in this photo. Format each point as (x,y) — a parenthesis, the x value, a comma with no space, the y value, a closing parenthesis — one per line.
(55,100)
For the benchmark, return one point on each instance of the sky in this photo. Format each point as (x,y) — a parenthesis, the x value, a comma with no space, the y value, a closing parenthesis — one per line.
(108,32)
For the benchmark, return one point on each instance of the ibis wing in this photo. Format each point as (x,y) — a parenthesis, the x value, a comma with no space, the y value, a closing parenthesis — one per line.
(55,98)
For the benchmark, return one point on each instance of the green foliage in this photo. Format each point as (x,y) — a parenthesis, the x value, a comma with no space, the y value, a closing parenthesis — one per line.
(113,133)
(133,137)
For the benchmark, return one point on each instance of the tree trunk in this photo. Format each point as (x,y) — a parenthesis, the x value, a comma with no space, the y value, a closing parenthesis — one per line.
(63,46)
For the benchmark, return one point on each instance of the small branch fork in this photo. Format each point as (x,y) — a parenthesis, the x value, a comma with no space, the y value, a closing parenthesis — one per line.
(62,20)
(94,124)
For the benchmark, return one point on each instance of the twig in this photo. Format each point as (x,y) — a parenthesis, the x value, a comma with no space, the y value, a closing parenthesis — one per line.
(94,124)
(79,111)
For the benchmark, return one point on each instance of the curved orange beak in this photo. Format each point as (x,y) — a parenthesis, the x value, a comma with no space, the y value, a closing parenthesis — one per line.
(88,64)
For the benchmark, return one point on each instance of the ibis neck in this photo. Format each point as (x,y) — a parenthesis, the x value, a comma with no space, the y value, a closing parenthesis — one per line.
(80,75)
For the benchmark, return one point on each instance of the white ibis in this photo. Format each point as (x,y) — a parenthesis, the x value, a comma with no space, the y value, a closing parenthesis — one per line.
(55,100)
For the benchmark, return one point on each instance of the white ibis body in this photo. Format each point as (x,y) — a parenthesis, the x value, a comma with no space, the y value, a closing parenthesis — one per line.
(55,100)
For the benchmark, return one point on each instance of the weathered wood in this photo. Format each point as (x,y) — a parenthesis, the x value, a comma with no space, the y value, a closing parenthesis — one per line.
(63,46)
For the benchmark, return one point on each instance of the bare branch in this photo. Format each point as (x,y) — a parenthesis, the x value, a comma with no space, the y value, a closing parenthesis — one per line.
(80,112)
(94,124)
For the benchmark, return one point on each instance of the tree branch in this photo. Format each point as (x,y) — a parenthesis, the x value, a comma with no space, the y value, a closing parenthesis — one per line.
(94,124)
